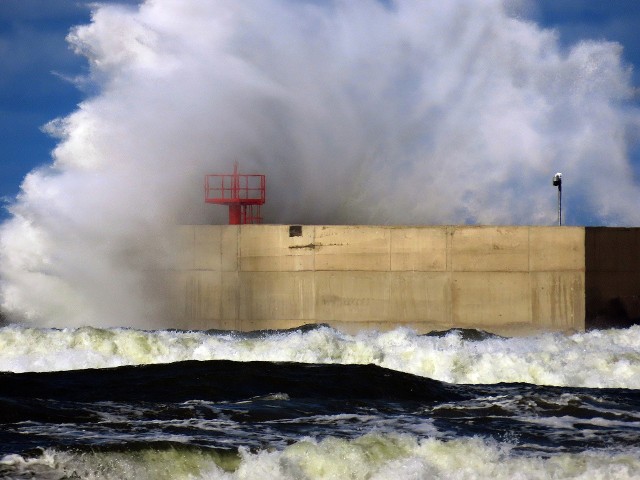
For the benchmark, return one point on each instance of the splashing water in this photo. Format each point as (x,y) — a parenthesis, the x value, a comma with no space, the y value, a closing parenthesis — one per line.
(598,359)
(353,110)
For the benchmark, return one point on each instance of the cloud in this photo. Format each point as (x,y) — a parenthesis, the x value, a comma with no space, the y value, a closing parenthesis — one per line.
(578,20)
(358,112)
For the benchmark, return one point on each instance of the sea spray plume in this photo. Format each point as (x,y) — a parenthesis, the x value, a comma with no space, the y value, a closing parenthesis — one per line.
(359,112)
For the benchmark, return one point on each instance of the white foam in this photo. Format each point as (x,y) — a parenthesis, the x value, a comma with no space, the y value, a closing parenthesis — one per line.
(371,457)
(594,359)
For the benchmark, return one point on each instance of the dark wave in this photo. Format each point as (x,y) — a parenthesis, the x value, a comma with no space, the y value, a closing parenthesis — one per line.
(306,328)
(224,380)
(260,403)
(467,334)
(224,405)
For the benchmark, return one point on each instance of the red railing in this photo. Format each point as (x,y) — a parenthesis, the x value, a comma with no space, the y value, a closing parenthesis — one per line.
(242,193)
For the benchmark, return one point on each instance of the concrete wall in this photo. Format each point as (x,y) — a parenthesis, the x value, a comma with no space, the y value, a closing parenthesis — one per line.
(612,266)
(509,280)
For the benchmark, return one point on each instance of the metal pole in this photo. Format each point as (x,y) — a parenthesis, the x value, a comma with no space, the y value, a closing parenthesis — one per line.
(560,204)
(557,182)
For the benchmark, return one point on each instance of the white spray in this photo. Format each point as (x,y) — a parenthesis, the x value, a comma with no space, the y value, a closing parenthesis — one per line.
(409,111)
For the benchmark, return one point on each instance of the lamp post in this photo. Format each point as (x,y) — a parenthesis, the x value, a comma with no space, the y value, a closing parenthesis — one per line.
(557,182)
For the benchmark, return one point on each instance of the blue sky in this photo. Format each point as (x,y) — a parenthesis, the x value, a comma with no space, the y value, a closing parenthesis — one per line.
(36,65)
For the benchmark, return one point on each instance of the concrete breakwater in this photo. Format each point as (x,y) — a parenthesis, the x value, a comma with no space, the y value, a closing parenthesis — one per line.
(509,280)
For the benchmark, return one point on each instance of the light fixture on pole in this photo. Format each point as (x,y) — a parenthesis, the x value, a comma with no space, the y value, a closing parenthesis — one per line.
(557,182)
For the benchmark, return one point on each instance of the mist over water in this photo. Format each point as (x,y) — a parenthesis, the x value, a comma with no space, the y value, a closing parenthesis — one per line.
(404,112)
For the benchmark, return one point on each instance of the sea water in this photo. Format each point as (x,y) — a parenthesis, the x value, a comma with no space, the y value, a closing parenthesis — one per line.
(314,402)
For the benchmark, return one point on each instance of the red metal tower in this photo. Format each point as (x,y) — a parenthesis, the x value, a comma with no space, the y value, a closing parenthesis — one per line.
(244,194)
